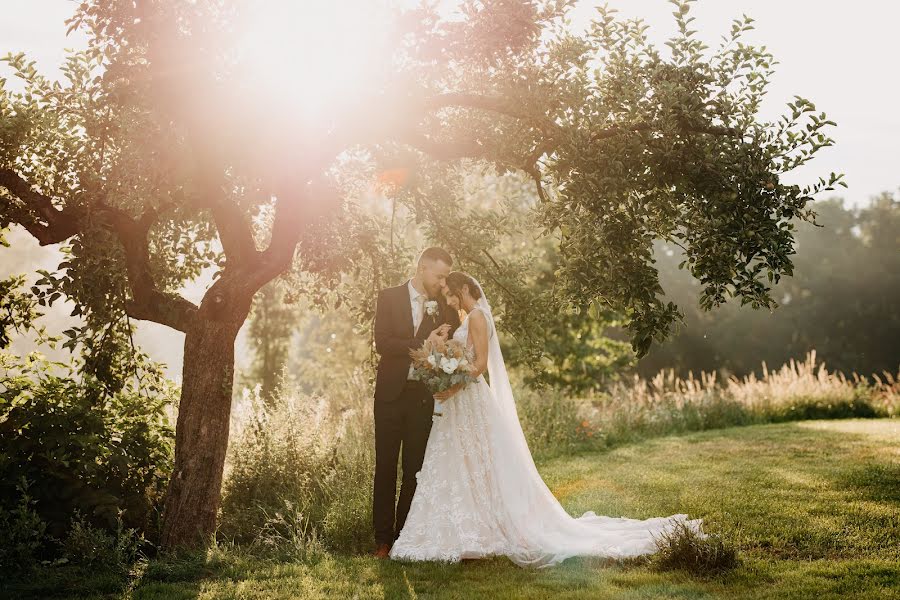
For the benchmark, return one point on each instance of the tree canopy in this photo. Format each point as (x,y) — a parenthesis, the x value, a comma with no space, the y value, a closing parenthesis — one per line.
(147,159)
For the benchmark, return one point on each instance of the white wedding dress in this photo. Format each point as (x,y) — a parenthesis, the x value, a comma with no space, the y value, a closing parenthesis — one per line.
(479,493)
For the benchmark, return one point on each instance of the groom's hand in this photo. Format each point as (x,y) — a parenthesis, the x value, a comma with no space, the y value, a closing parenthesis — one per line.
(439,334)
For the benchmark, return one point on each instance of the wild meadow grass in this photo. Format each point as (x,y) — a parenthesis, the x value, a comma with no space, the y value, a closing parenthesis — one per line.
(637,409)
(298,475)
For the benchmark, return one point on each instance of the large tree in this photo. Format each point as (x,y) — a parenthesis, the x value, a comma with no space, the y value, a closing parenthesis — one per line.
(161,155)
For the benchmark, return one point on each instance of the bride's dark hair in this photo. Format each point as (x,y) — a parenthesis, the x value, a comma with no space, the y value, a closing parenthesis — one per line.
(457,279)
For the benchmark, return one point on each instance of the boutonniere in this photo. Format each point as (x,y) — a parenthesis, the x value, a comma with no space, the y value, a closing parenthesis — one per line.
(431,308)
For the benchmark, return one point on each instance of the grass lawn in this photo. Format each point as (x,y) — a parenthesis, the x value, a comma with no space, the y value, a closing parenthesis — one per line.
(813,508)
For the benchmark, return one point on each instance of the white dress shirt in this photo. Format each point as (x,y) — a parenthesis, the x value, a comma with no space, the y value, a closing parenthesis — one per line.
(417,301)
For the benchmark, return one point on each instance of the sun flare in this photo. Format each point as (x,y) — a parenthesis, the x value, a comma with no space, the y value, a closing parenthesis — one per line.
(318,58)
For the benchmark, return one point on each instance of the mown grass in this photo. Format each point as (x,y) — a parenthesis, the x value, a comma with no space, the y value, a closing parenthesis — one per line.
(812,507)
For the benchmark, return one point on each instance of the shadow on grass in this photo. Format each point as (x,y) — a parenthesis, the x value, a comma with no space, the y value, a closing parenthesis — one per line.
(174,576)
(877,482)
(63,582)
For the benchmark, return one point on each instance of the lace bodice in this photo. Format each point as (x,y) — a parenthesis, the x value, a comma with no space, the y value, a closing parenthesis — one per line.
(462,332)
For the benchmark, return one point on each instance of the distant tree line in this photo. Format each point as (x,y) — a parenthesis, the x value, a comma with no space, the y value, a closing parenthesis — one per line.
(843,301)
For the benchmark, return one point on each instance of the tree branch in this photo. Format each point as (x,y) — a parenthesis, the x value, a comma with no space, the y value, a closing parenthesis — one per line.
(148,303)
(549,127)
(48,224)
(235,232)
(232,225)
(59,225)
(531,167)
(301,207)
(493,104)
(279,254)
(602,134)
(535,174)
(182,90)
(445,150)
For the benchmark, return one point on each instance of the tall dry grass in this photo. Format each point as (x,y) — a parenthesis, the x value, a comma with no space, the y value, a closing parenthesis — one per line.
(805,382)
(639,408)
(298,473)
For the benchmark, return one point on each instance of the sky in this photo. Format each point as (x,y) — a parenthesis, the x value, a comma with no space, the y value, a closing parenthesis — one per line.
(840,55)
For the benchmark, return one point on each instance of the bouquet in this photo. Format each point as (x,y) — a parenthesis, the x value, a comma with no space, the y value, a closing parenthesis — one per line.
(441,365)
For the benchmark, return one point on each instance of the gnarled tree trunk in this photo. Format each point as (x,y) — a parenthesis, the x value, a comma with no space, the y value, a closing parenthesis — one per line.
(201,434)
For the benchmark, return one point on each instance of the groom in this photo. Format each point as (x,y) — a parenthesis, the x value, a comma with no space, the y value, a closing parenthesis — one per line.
(405,316)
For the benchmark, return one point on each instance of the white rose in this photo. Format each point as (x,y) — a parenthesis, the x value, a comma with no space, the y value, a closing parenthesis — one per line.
(431,307)
(449,365)
(431,360)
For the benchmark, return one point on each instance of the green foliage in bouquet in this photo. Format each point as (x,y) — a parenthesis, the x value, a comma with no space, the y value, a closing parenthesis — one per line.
(441,366)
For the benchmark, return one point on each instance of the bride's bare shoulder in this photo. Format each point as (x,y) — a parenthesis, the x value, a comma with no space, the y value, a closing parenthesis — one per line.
(477,319)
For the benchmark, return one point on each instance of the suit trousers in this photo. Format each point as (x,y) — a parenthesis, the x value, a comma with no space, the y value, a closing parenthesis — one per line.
(401,425)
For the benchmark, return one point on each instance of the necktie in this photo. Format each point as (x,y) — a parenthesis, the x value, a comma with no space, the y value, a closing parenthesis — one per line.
(420,314)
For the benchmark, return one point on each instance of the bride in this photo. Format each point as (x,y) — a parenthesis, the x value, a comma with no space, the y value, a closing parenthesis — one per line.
(479,493)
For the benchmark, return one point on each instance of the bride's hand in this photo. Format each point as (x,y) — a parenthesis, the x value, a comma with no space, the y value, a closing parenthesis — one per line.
(447,394)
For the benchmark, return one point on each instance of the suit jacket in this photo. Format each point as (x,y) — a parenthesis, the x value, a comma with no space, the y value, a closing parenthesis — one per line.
(395,337)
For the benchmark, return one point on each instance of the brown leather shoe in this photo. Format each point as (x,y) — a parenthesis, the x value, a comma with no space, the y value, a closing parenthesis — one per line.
(383,551)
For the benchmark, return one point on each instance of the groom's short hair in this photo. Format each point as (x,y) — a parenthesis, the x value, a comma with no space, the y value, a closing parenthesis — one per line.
(435,254)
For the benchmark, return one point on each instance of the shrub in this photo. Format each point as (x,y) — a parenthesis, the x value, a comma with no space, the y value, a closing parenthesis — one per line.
(22,533)
(823,408)
(347,524)
(82,449)
(684,549)
(99,548)
(288,534)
